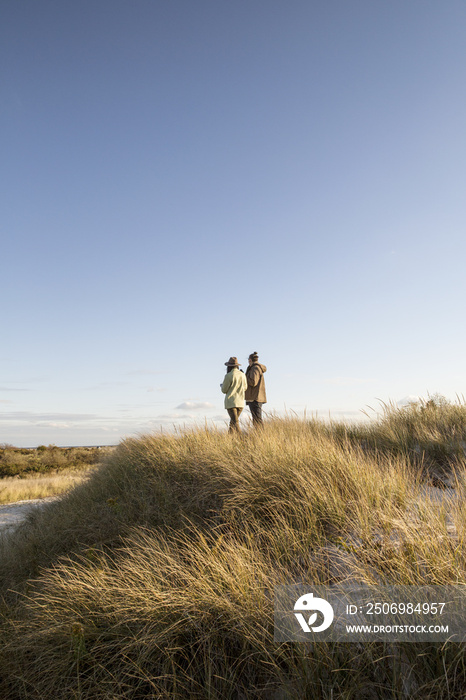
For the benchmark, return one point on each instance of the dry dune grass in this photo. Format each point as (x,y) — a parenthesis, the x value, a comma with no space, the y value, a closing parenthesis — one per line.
(45,471)
(154,579)
(13,489)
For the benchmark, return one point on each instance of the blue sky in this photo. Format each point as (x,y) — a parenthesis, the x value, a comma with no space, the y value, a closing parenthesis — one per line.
(184,181)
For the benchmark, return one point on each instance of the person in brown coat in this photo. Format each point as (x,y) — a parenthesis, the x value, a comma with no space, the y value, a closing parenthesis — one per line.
(255,393)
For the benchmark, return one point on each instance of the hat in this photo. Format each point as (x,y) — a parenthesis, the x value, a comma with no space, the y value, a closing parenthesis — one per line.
(232,362)
(254,356)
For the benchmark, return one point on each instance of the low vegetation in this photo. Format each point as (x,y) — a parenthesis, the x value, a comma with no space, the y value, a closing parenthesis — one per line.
(13,489)
(154,578)
(45,471)
(17,461)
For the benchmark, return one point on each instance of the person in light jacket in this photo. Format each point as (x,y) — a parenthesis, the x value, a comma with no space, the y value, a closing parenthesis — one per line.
(255,393)
(234,386)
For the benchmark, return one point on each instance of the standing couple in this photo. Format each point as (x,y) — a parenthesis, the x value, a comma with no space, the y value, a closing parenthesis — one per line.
(240,387)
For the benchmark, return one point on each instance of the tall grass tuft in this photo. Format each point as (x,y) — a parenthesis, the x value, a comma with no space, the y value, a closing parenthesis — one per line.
(155,578)
(430,432)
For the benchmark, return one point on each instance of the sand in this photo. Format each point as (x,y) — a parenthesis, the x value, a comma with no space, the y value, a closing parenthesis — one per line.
(12,514)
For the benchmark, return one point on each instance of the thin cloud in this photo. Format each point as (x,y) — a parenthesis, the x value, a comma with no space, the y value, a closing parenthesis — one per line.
(195,405)
(10,388)
(105,385)
(171,418)
(178,418)
(30,416)
(54,424)
(13,383)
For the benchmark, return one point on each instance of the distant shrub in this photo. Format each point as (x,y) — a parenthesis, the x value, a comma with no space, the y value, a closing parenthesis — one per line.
(20,461)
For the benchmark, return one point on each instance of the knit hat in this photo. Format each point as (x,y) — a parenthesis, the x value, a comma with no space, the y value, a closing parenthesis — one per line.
(254,356)
(232,362)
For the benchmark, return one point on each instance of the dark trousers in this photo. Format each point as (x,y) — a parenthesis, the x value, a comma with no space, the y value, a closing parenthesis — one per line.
(256,412)
(234,414)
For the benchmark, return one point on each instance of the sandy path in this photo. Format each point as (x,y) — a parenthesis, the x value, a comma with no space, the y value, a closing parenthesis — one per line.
(12,514)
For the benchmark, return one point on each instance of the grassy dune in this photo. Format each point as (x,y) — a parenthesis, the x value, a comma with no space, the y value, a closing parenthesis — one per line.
(155,577)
